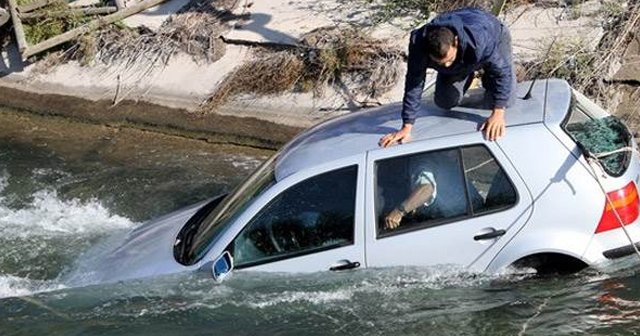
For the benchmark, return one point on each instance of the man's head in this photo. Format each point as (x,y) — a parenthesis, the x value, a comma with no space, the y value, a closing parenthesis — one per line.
(442,45)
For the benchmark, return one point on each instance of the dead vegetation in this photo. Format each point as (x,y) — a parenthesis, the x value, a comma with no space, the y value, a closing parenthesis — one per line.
(590,70)
(64,19)
(348,59)
(323,57)
(387,10)
(269,73)
(344,58)
(195,30)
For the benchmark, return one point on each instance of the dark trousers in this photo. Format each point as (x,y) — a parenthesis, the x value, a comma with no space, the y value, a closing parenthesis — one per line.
(451,88)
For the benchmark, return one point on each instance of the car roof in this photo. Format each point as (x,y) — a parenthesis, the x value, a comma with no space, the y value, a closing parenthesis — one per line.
(359,132)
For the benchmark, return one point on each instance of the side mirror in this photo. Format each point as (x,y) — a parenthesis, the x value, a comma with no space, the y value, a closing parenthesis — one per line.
(222,266)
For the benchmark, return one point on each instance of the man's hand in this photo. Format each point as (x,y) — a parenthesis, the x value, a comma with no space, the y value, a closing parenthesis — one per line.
(494,126)
(402,136)
(393,219)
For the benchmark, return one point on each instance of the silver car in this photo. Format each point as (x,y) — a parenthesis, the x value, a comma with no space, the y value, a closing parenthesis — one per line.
(323,202)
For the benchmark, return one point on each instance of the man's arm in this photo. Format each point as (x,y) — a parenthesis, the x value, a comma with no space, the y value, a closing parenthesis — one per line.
(500,70)
(501,73)
(418,197)
(413,86)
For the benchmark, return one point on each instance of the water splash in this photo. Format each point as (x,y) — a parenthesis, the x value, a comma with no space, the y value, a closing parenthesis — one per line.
(292,297)
(245,162)
(40,239)
(49,215)
(4,180)
(12,286)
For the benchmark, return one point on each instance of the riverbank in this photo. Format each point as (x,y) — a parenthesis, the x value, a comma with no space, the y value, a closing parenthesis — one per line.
(244,131)
(171,95)
(72,140)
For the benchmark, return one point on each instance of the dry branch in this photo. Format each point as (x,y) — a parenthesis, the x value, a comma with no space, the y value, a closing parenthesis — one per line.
(195,30)
(88,27)
(17,26)
(68,12)
(35,5)
(498,6)
(5,16)
(120,4)
(340,57)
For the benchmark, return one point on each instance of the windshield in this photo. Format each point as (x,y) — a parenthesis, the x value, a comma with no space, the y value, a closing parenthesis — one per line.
(194,241)
(597,132)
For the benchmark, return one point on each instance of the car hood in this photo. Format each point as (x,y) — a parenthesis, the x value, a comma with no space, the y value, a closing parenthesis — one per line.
(142,252)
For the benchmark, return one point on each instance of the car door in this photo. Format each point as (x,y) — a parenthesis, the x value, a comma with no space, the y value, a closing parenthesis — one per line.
(311,221)
(478,202)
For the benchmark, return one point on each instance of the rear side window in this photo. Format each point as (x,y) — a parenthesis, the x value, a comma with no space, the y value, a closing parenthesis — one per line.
(434,188)
(597,132)
(487,178)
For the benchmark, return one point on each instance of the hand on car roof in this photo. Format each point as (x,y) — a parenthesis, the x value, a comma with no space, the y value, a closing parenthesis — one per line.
(403,135)
(494,126)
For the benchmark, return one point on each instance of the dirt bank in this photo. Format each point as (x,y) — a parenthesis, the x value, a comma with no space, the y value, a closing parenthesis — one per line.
(75,141)
(165,96)
(213,128)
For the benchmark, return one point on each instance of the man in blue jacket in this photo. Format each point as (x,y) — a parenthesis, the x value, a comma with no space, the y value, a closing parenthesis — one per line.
(456,44)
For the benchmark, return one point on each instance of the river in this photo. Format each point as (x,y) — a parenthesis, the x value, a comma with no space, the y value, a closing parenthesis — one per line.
(64,187)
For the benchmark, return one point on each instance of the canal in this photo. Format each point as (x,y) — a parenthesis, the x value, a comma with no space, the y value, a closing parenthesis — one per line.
(66,187)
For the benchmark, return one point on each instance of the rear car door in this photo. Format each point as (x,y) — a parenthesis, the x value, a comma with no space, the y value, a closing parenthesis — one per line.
(478,203)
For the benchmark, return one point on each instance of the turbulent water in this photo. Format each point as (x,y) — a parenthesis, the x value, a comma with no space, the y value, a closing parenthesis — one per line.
(59,197)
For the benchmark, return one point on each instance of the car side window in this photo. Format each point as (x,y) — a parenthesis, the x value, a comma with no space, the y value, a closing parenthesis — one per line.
(433,188)
(314,215)
(419,190)
(488,179)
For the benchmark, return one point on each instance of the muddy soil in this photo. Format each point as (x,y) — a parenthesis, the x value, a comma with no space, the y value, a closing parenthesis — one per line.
(146,116)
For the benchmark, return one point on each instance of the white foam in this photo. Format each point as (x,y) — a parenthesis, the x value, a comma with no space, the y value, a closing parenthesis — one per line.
(12,286)
(316,297)
(3,182)
(392,280)
(247,163)
(49,215)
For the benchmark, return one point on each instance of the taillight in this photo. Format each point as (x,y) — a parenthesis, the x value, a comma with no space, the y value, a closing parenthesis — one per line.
(625,202)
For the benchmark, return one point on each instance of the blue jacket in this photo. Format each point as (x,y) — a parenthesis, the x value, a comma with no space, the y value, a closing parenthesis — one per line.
(479,36)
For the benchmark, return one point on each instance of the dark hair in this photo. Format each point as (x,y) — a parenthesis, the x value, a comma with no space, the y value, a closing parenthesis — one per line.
(438,41)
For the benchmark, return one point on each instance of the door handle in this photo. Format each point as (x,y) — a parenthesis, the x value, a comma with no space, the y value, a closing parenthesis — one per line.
(490,235)
(343,265)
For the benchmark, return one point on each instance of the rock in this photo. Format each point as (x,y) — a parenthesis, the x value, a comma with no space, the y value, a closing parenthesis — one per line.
(533,28)
(630,69)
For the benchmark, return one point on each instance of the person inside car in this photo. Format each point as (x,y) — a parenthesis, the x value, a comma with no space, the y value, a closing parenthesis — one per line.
(437,190)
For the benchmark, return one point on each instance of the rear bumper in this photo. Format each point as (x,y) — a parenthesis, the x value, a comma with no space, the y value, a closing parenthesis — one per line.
(613,244)
(621,251)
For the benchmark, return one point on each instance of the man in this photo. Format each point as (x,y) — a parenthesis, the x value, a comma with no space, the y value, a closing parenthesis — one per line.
(456,44)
